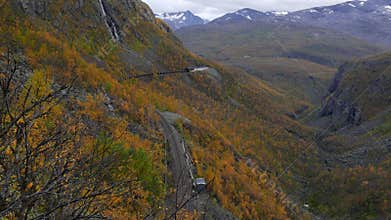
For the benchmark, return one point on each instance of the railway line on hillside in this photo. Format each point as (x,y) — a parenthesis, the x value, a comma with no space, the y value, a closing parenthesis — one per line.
(189,193)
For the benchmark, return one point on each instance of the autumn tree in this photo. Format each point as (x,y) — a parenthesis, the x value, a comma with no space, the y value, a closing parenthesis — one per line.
(48,169)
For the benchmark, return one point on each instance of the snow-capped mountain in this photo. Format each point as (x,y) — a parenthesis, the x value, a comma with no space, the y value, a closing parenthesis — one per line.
(250,15)
(177,20)
(366,19)
(373,7)
(245,14)
(367,8)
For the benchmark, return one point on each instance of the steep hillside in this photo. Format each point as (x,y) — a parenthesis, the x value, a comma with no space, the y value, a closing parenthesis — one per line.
(82,137)
(292,57)
(352,138)
(360,92)
(92,143)
(356,147)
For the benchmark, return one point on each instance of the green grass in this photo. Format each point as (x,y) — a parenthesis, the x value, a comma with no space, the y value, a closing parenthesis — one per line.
(383,130)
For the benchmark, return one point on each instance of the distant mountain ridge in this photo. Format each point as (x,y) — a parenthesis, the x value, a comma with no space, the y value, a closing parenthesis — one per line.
(249,15)
(369,20)
(177,20)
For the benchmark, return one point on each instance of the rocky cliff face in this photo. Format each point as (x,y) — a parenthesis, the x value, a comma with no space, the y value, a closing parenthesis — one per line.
(40,7)
(44,8)
(342,113)
(118,15)
(359,92)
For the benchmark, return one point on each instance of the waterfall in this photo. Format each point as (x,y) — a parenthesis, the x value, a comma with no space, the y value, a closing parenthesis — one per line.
(110,22)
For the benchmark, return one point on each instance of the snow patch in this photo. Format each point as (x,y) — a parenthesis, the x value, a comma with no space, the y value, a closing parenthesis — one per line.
(171,16)
(280,13)
(386,10)
(328,11)
(244,14)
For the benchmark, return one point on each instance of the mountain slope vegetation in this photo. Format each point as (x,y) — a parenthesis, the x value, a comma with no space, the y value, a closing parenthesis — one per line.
(352,135)
(356,149)
(81,136)
(74,62)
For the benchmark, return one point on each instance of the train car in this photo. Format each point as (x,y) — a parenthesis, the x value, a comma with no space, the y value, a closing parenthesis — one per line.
(200,185)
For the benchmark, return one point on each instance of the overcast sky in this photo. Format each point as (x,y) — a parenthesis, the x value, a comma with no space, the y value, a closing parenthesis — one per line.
(209,9)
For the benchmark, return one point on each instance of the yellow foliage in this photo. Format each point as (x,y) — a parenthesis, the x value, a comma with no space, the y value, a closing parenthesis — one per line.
(29,186)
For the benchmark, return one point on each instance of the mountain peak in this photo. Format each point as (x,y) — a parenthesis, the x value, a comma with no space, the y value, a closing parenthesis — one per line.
(353,17)
(245,14)
(180,19)
(247,11)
